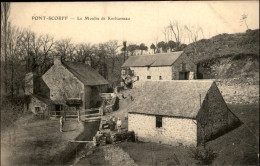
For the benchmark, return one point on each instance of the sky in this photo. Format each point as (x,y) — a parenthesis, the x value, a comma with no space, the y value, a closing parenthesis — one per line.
(147,19)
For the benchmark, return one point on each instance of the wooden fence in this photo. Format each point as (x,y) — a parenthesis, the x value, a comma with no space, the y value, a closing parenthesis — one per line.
(82,115)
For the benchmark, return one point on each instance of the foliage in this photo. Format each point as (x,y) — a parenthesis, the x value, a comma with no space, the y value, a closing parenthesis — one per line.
(153,47)
(204,156)
(11,110)
(132,48)
(225,44)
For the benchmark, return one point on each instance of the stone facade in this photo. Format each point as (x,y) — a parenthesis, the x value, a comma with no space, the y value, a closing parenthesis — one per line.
(154,72)
(146,73)
(189,66)
(174,131)
(215,115)
(37,106)
(63,84)
(239,91)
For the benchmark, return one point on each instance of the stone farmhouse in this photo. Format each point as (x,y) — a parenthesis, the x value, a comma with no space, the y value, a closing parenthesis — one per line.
(164,66)
(69,80)
(179,112)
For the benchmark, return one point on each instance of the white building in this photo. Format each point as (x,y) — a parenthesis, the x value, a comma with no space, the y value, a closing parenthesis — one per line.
(179,112)
(164,66)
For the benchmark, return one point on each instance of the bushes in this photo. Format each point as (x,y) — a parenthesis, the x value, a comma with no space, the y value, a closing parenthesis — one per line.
(204,156)
(11,109)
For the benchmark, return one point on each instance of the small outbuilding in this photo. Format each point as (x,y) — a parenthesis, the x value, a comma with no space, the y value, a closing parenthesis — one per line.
(39,105)
(179,112)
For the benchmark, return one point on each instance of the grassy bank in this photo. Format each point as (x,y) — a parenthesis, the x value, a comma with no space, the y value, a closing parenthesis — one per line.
(36,142)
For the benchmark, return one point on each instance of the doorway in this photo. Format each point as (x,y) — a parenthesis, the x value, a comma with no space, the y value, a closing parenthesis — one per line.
(184,75)
(58,109)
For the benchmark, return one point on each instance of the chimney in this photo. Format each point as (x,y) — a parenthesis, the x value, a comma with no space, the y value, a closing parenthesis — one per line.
(29,83)
(57,60)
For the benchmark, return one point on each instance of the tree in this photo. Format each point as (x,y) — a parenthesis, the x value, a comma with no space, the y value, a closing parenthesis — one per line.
(5,12)
(162,45)
(182,46)
(177,31)
(36,46)
(132,48)
(124,49)
(27,49)
(153,47)
(194,33)
(63,48)
(243,20)
(111,48)
(47,49)
(143,47)
(83,52)
(15,36)
(172,45)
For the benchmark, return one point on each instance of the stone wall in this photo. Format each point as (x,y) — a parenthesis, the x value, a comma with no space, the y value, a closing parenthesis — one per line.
(215,115)
(44,108)
(63,84)
(236,91)
(174,131)
(190,66)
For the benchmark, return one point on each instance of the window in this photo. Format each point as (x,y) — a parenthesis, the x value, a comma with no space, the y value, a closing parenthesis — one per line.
(148,77)
(137,78)
(160,77)
(158,121)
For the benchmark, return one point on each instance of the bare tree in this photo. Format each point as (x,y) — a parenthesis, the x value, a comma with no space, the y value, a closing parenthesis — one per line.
(15,36)
(27,40)
(194,34)
(5,12)
(83,51)
(36,49)
(166,33)
(112,49)
(63,47)
(47,48)
(243,20)
(177,31)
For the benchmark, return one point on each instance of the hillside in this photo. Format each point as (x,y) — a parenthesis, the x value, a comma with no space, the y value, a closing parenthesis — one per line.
(227,55)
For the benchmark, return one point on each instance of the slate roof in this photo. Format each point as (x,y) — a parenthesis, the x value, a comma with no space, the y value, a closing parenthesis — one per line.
(86,74)
(163,59)
(178,98)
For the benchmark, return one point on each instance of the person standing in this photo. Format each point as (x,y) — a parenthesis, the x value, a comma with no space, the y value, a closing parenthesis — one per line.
(61,123)
(119,123)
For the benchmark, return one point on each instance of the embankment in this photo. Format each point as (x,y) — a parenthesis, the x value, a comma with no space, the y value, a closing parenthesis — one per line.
(236,91)
(68,155)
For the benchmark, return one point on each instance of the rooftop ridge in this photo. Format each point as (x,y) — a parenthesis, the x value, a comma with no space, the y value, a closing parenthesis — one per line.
(164,53)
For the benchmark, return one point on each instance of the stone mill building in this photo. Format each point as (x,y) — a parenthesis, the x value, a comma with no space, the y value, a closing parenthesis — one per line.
(179,112)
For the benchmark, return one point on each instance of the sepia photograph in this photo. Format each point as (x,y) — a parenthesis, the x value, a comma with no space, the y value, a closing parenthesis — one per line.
(130,83)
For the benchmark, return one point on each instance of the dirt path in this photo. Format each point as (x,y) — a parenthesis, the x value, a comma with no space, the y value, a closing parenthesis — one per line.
(116,156)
